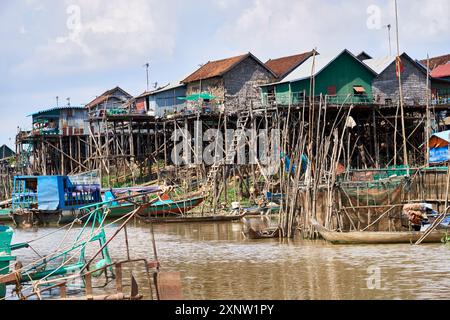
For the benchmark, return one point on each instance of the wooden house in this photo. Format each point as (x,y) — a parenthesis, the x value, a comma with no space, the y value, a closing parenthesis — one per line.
(6,152)
(342,77)
(164,100)
(413,77)
(63,121)
(233,82)
(109,100)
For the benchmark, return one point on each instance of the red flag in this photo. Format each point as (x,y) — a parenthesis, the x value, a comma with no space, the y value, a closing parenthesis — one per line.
(399,66)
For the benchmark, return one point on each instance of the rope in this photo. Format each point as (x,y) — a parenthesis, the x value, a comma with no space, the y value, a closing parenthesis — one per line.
(93,234)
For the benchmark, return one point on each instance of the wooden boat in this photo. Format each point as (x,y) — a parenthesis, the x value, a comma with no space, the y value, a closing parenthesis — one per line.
(205,219)
(51,199)
(5,215)
(78,266)
(369,237)
(269,233)
(259,211)
(159,209)
(6,235)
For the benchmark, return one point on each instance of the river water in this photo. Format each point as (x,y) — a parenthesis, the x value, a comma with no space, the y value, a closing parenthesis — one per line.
(217,262)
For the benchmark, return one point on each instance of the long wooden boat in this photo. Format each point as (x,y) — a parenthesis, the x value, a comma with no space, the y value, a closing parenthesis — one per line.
(205,219)
(369,237)
(159,209)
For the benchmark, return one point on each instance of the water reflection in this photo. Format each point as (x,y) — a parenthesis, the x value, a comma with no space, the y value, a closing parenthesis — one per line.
(217,262)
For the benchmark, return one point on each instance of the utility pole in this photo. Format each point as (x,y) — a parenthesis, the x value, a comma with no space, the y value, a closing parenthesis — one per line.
(147,66)
(428,125)
(405,151)
(68,101)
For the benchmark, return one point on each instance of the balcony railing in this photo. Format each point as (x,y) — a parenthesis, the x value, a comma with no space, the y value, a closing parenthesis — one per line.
(298,98)
(441,97)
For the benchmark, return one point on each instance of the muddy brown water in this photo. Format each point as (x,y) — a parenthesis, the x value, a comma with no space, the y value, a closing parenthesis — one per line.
(217,262)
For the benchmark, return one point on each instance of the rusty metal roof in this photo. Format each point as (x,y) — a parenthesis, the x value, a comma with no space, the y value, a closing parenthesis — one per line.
(436,61)
(285,65)
(220,67)
(214,68)
(105,96)
(441,71)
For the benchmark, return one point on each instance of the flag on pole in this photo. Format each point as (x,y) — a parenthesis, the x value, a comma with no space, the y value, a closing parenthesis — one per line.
(399,67)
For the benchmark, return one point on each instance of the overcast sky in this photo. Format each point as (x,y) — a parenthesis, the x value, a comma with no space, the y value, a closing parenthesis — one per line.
(80,48)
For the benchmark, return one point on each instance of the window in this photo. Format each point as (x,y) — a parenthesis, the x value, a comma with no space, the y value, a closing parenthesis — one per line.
(359,90)
(331,90)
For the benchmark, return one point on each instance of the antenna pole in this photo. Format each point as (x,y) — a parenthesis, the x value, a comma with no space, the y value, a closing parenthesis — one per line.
(147,66)
(390,45)
(405,151)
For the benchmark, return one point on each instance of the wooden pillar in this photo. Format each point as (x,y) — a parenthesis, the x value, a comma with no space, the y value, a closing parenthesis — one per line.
(62,155)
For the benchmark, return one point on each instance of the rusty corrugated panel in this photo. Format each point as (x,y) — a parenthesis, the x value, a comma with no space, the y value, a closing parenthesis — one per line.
(283,66)
(214,68)
(436,61)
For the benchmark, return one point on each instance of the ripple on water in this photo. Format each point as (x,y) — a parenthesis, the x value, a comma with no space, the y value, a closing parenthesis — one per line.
(216,262)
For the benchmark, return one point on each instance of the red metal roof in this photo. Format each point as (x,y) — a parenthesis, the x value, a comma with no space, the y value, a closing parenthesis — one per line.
(283,66)
(436,61)
(441,71)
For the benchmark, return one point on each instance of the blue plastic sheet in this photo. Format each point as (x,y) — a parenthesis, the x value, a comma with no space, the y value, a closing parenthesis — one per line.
(439,155)
(48,194)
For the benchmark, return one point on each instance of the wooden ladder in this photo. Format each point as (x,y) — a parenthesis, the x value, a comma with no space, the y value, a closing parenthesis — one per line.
(230,154)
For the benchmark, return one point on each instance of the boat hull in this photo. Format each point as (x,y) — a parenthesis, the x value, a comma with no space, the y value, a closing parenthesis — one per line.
(5,215)
(159,210)
(368,237)
(253,234)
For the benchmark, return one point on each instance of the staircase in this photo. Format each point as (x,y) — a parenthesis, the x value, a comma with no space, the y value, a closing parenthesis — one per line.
(230,154)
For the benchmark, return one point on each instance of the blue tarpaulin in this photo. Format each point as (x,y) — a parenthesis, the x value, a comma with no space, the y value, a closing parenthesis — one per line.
(48,193)
(439,155)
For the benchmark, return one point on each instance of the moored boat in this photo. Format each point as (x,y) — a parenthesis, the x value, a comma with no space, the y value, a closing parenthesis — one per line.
(5,215)
(370,237)
(269,233)
(51,199)
(75,269)
(193,219)
(164,207)
(6,234)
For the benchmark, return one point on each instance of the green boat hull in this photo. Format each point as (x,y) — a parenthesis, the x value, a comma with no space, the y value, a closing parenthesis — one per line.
(6,234)
(5,215)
